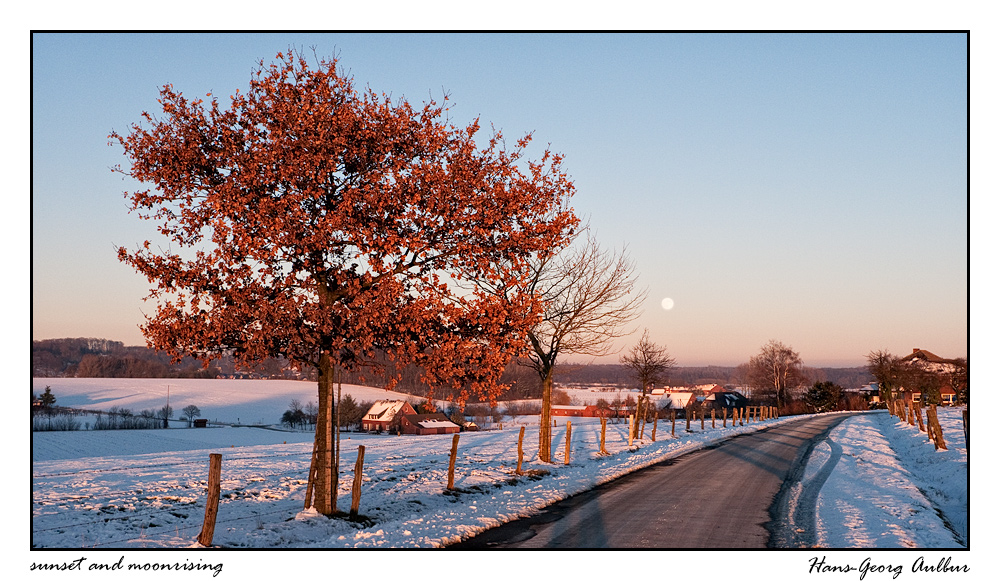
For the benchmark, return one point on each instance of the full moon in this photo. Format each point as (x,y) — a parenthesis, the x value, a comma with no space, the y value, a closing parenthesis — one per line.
(667,303)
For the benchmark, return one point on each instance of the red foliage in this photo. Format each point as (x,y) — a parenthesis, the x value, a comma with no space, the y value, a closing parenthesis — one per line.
(309,220)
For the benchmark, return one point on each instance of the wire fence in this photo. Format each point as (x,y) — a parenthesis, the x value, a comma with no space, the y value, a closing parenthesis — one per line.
(163,503)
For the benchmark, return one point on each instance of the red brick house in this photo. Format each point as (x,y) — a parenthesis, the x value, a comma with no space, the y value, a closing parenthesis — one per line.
(384,414)
(931,363)
(423,424)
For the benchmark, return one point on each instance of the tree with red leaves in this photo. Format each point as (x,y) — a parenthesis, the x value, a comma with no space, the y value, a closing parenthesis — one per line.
(335,228)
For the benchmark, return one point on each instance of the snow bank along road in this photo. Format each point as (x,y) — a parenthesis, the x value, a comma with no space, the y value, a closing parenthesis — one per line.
(721,495)
(146,489)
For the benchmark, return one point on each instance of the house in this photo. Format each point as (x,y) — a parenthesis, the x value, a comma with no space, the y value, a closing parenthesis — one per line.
(384,414)
(423,424)
(869,391)
(931,363)
(721,399)
(678,400)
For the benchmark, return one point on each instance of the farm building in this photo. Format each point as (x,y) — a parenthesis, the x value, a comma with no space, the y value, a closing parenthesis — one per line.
(384,414)
(423,424)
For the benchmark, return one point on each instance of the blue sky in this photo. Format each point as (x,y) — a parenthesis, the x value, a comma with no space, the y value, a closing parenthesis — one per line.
(809,188)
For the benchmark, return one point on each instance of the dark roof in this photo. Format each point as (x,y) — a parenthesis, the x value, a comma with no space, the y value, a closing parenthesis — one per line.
(924,355)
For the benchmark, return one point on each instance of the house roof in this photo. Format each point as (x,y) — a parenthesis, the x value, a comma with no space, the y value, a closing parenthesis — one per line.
(678,399)
(384,409)
(727,398)
(435,420)
(925,355)
(438,424)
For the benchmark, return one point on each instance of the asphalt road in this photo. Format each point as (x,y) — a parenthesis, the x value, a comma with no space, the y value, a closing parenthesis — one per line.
(732,495)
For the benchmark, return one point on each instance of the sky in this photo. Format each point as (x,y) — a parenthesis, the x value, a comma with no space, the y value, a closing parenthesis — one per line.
(808,188)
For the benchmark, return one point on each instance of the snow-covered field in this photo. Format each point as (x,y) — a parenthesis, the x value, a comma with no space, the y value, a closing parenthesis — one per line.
(146,489)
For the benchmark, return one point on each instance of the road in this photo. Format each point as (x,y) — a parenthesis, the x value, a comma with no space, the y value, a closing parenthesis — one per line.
(732,495)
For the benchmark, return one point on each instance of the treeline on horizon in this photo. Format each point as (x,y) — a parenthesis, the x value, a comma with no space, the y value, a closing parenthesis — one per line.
(89,357)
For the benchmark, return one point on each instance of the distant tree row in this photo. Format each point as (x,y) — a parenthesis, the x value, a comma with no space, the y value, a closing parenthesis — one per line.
(302,417)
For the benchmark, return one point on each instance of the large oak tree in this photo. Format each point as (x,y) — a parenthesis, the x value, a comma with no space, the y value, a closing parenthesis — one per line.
(335,227)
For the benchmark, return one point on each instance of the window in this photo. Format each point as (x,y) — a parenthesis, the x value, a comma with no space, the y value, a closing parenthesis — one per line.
(916,397)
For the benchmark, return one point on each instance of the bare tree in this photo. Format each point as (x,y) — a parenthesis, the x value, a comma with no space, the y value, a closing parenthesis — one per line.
(775,370)
(648,363)
(588,300)
(190,413)
(165,413)
(887,370)
(958,377)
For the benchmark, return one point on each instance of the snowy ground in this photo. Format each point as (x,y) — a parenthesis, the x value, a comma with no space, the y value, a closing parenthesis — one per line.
(146,489)
(886,487)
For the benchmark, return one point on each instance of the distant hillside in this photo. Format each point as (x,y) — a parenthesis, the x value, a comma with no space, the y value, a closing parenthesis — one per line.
(89,357)
(687,376)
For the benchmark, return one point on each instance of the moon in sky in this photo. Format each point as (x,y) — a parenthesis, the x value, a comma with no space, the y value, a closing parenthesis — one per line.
(667,303)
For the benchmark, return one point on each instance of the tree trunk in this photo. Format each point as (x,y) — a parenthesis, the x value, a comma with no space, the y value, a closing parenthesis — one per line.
(324,439)
(545,423)
(335,469)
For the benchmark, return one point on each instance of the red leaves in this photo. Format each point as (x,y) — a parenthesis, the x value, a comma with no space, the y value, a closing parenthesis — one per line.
(309,218)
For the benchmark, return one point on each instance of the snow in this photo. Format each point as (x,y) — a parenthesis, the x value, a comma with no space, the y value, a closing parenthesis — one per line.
(145,489)
(890,488)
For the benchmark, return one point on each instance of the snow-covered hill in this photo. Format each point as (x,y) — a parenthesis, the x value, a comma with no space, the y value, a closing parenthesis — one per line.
(229,401)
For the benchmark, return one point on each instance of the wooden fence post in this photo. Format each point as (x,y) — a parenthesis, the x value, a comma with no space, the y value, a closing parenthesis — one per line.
(965,426)
(687,420)
(631,421)
(640,415)
(743,413)
(673,421)
(520,450)
(569,434)
(713,418)
(725,412)
(938,434)
(918,413)
(604,426)
(356,488)
(451,463)
(931,425)
(312,479)
(702,410)
(656,418)
(212,499)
